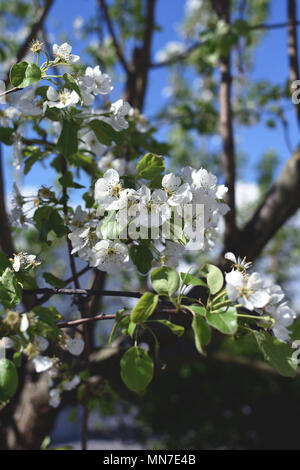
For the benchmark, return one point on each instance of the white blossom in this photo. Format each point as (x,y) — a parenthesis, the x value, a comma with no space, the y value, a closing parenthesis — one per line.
(24,325)
(55,398)
(42,342)
(247,290)
(110,255)
(42,363)
(62,99)
(70,385)
(75,346)
(63,52)
(100,82)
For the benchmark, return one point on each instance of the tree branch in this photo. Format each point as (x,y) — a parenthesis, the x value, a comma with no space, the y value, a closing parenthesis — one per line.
(293,49)
(281,202)
(87,292)
(118,48)
(222,7)
(42,15)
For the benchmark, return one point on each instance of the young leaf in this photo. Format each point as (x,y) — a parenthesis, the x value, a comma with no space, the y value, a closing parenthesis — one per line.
(198,310)
(33,74)
(136,369)
(10,289)
(278,354)
(8,379)
(105,133)
(165,280)
(150,166)
(53,280)
(7,135)
(202,333)
(225,322)
(190,280)
(110,227)
(142,258)
(178,330)
(17,73)
(67,143)
(144,307)
(215,279)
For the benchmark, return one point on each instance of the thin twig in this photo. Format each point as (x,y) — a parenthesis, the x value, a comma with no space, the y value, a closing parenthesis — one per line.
(112,32)
(88,292)
(185,54)
(293,49)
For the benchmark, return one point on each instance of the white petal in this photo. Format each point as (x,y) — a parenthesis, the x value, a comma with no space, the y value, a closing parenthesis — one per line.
(42,363)
(75,346)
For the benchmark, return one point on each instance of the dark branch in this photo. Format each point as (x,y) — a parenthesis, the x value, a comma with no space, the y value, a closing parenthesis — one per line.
(88,292)
(118,48)
(293,48)
(226,123)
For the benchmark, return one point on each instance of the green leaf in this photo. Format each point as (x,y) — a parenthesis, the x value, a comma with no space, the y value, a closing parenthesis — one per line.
(46,219)
(17,73)
(202,333)
(150,166)
(136,369)
(67,181)
(165,280)
(178,330)
(110,227)
(33,74)
(23,74)
(225,322)
(53,280)
(198,310)
(10,289)
(17,358)
(67,143)
(4,263)
(49,316)
(105,133)
(8,379)
(7,135)
(144,307)
(278,354)
(32,159)
(142,258)
(190,280)
(131,328)
(215,279)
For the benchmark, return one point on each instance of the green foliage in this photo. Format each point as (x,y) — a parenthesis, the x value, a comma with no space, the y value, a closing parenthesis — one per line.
(202,332)
(105,133)
(6,135)
(23,74)
(8,380)
(165,281)
(144,307)
(10,289)
(150,166)
(177,330)
(53,280)
(225,322)
(214,278)
(142,257)
(46,219)
(136,369)
(67,143)
(278,354)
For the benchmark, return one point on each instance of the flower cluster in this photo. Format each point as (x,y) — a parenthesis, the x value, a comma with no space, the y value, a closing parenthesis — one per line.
(255,293)
(169,213)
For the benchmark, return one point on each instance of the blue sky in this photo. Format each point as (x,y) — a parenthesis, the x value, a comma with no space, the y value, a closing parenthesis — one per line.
(270,63)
